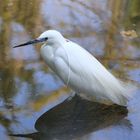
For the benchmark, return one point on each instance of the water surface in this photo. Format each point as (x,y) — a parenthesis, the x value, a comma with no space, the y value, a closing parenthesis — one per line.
(108,29)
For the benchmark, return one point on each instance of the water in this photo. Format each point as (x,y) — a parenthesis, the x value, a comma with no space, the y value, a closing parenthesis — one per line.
(108,29)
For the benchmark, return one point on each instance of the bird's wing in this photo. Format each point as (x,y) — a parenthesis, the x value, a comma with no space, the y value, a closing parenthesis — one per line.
(85,64)
(90,70)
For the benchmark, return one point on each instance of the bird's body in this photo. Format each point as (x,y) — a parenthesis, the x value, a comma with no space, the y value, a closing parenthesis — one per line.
(81,71)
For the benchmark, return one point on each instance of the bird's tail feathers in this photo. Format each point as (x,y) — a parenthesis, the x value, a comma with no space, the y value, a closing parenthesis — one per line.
(124,93)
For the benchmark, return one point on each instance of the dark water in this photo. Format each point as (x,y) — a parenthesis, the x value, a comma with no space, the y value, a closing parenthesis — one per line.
(109,29)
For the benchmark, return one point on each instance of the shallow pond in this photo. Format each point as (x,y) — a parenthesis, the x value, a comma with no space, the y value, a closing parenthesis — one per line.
(108,29)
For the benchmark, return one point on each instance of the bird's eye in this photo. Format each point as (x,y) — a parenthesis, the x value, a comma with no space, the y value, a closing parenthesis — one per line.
(46,38)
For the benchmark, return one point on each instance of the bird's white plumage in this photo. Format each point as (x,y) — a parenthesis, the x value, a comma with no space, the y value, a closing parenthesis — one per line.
(81,71)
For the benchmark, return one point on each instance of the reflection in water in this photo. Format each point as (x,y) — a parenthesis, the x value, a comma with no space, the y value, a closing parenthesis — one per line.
(75,118)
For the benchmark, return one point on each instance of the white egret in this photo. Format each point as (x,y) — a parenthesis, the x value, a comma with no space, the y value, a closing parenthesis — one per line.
(79,70)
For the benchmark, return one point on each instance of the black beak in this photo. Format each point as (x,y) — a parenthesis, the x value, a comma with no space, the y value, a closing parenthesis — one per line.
(38,40)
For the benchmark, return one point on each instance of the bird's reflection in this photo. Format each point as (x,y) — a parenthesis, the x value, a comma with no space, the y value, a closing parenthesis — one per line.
(75,118)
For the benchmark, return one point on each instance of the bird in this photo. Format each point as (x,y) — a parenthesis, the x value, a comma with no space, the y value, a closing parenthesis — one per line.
(80,70)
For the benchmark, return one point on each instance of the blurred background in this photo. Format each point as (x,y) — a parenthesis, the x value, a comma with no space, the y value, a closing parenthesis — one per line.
(109,29)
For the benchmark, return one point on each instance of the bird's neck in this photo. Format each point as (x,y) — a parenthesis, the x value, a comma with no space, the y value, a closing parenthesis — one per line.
(48,52)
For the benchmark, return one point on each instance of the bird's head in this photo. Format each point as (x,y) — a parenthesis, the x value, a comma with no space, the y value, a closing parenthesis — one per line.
(49,37)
